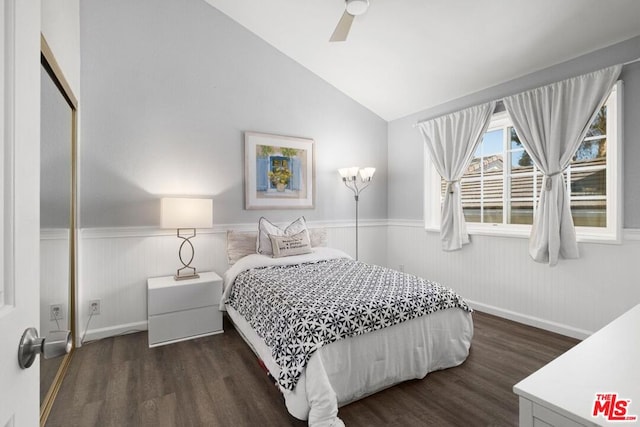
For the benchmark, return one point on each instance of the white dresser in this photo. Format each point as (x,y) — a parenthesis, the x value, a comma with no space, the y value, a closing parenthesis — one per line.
(564,392)
(179,310)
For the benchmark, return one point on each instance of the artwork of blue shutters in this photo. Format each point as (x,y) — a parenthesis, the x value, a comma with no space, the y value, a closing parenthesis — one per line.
(262,169)
(296,174)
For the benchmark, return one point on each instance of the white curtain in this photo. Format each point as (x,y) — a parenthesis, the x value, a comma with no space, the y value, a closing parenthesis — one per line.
(551,122)
(451,141)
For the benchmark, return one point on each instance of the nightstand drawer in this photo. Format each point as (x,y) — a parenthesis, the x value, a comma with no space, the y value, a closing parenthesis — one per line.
(186,324)
(167,295)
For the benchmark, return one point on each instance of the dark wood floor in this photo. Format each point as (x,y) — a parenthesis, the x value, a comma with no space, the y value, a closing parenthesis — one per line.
(216,381)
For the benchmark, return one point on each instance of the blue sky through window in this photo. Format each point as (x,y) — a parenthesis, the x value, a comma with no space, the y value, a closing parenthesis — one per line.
(491,144)
(515,159)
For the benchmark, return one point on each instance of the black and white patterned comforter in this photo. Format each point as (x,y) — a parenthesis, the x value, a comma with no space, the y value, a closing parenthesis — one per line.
(299,308)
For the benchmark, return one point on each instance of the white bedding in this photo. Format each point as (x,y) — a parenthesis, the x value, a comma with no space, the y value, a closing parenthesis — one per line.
(350,369)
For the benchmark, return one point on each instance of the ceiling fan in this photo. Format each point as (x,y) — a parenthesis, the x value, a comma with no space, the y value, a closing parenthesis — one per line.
(353,8)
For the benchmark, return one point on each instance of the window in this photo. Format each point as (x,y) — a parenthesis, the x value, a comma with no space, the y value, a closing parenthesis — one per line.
(501,186)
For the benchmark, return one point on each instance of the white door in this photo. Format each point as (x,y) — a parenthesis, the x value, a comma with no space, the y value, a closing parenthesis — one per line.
(19,212)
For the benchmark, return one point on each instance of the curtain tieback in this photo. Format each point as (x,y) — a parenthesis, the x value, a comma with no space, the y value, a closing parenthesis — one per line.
(450,186)
(547,180)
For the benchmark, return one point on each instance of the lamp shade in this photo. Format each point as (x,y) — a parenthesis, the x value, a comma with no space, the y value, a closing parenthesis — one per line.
(186,213)
(367,173)
(351,172)
(357,7)
(344,172)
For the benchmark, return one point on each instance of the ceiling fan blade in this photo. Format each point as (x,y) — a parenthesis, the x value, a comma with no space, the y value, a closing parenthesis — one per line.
(342,29)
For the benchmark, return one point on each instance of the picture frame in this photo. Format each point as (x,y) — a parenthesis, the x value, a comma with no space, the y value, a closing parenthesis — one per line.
(279,171)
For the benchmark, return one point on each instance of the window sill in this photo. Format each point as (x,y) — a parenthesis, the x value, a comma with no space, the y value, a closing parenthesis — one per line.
(523,232)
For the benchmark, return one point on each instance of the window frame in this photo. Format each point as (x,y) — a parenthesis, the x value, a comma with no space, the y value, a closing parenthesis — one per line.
(612,233)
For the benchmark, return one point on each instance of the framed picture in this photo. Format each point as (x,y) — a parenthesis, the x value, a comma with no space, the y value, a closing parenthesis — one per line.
(279,171)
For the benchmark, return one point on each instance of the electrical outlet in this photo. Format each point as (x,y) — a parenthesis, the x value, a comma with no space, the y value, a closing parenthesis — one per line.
(94,306)
(56,311)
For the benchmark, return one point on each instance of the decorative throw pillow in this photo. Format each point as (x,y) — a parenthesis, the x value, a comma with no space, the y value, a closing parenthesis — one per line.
(318,237)
(297,244)
(240,244)
(265,228)
(243,243)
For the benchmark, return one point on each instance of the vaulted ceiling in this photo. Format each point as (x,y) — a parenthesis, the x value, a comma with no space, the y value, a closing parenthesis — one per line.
(403,56)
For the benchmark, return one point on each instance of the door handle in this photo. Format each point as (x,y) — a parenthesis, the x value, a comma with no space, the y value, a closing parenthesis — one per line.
(56,344)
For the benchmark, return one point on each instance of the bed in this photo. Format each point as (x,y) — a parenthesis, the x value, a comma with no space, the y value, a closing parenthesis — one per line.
(331,330)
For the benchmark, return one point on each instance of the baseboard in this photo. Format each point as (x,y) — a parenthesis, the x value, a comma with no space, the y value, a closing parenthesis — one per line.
(547,325)
(111,331)
(581,334)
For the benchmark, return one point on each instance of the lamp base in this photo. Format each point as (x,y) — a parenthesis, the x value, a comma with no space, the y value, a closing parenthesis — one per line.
(186,271)
(185,277)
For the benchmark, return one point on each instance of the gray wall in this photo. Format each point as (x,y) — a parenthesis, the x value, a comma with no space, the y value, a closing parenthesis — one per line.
(405,160)
(169,87)
(55,155)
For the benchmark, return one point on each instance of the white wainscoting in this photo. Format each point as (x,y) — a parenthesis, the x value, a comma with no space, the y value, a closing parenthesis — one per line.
(54,278)
(114,265)
(496,275)
(574,298)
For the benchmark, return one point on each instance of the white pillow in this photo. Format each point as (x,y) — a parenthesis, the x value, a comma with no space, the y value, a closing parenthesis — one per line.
(243,243)
(297,244)
(240,244)
(265,228)
(318,237)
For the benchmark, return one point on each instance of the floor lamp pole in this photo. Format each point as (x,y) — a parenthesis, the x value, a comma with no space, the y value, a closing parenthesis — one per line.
(356,197)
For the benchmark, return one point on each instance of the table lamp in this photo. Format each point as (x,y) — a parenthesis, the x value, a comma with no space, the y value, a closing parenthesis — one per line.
(185,215)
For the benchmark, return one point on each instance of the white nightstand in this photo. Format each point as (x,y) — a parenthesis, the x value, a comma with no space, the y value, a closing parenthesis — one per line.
(183,309)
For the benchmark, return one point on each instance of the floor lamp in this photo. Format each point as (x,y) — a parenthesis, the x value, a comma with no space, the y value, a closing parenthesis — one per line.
(350,179)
